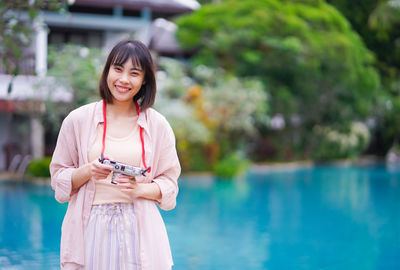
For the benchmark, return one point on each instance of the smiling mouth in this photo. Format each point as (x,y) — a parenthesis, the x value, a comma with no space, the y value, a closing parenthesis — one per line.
(122,89)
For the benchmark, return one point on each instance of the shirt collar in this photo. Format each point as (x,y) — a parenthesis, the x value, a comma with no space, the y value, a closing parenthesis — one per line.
(98,113)
(98,117)
(142,120)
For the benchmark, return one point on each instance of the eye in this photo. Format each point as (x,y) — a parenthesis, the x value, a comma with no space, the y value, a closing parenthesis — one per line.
(117,68)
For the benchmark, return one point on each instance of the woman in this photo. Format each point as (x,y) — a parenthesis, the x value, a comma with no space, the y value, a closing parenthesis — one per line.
(117,226)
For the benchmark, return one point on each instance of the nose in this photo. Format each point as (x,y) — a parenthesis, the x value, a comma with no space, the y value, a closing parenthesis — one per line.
(124,78)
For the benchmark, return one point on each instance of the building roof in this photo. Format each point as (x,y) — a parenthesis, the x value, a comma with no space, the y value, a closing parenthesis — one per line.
(169,6)
(163,38)
(27,87)
(27,96)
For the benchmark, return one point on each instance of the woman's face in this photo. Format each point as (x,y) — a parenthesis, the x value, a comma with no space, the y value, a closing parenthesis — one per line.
(125,81)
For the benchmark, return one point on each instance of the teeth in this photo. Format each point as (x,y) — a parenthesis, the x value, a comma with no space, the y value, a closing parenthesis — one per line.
(122,89)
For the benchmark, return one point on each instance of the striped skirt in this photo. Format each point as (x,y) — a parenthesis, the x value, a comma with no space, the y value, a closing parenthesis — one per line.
(111,238)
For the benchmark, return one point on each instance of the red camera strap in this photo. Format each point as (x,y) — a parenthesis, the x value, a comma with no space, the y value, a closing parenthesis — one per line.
(140,130)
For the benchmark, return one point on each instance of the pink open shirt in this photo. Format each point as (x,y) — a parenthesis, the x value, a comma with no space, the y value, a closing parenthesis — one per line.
(76,136)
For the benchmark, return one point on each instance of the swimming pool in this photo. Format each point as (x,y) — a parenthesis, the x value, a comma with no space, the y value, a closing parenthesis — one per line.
(320,218)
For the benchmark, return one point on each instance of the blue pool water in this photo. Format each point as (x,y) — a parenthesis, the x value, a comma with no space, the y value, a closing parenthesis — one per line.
(321,218)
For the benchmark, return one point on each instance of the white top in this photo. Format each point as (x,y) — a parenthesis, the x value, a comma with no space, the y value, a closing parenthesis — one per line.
(127,149)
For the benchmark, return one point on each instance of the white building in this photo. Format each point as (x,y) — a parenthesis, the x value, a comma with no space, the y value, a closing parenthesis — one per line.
(92,23)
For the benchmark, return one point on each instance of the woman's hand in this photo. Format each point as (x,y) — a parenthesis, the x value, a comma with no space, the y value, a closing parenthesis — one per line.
(128,184)
(83,174)
(99,171)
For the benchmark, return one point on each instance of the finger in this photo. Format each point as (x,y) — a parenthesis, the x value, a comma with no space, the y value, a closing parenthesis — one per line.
(97,163)
(127,177)
(102,173)
(100,166)
(100,176)
(127,190)
(128,181)
(123,181)
(124,185)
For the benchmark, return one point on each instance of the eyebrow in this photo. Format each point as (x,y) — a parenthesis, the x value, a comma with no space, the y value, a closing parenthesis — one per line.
(134,68)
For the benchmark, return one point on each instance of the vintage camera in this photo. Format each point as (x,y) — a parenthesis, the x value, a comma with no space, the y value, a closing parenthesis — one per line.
(119,168)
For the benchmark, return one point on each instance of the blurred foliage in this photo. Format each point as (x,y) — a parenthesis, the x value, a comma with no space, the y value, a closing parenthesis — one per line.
(378,22)
(384,17)
(315,66)
(231,166)
(357,13)
(305,50)
(80,76)
(385,21)
(213,114)
(39,167)
(17,24)
(340,143)
(203,2)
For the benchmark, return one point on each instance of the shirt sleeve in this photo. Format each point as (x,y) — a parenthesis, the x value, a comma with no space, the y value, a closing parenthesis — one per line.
(168,171)
(64,162)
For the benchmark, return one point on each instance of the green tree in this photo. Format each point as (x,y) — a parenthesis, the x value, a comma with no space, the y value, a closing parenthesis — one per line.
(378,23)
(385,22)
(203,2)
(304,51)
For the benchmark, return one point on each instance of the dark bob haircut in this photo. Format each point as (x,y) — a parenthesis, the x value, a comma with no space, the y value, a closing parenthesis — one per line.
(140,56)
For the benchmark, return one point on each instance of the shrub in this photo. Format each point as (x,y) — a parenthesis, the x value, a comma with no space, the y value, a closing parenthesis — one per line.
(39,167)
(230,166)
(337,144)
(212,113)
